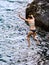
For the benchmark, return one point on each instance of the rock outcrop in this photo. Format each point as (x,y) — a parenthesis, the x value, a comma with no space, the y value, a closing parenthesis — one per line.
(40,10)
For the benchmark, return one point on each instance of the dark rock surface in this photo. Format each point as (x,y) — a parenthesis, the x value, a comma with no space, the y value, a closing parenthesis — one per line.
(40,10)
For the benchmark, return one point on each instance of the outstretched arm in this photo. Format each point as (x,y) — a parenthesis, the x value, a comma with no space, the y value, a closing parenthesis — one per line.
(23,18)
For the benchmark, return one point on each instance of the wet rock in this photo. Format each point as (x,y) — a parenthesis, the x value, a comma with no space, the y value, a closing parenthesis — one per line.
(40,10)
(47,63)
(47,45)
(47,57)
(48,52)
(44,51)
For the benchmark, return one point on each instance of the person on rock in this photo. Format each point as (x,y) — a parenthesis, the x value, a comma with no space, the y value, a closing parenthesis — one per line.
(31,21)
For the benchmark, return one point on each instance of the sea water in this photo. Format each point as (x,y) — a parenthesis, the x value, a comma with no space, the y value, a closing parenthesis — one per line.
(13,31)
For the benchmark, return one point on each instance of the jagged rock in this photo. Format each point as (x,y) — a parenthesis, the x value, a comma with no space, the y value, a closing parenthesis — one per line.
(40,10)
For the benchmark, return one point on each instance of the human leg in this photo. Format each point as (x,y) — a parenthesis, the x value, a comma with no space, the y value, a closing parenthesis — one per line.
(35,38)
(34,35)
(28,37)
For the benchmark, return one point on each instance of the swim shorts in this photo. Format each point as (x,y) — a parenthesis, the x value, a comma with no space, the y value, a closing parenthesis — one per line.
(33,30)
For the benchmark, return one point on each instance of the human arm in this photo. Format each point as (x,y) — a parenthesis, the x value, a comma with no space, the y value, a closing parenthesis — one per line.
(23,18)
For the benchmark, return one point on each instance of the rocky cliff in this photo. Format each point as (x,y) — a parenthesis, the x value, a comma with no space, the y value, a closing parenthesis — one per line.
(40,10)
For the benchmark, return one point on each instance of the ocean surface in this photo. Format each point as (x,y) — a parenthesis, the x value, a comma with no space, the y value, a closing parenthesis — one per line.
(13,32)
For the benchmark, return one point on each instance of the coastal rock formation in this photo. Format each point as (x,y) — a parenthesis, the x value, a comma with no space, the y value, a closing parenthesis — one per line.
(40,10)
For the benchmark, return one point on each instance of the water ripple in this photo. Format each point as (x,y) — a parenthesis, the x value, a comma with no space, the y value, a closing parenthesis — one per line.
(3,60)
(13,45)
(9,10)
(11,1)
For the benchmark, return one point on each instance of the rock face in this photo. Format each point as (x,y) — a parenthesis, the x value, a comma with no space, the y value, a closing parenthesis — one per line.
(40,10)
